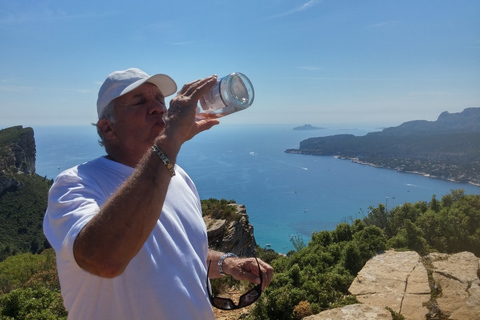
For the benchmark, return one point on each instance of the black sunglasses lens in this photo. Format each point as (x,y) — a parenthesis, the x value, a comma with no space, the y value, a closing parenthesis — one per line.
(249,297)
(223,303)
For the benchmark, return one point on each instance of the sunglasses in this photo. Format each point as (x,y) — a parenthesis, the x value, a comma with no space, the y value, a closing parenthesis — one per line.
(245,300)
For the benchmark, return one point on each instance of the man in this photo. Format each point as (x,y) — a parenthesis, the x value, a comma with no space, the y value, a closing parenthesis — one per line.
(127,228)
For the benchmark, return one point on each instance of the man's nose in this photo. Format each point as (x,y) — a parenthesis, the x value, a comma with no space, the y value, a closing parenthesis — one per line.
(156,106)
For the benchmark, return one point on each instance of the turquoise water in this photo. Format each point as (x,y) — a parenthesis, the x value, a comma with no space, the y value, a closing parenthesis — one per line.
(284,194)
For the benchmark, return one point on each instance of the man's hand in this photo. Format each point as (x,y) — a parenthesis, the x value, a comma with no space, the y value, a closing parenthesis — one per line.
(240,268)
(247,269)
(180,124)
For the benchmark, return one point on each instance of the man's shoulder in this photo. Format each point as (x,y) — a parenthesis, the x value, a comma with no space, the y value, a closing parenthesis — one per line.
(89,165)
(98,168)
(104,165)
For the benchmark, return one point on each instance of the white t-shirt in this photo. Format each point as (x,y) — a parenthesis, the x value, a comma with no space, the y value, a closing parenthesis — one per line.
(165,280)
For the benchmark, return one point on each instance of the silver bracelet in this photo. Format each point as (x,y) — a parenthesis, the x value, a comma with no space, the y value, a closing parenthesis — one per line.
(220,261)
(164,159)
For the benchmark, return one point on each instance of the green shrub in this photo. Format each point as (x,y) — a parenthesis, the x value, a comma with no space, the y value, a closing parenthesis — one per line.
(218,209)
(22,210)
(37,304)
(30,288)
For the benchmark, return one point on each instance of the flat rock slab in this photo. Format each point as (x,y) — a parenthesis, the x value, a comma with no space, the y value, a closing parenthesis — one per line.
(353,312)
(397,280)
(457,277)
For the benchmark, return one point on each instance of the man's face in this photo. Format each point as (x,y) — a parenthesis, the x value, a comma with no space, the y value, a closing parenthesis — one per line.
(138,119)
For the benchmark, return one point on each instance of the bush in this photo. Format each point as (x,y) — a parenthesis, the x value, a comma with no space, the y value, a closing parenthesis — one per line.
(30,287)
(218,209)
(22,210)
(409,237)
(35,304)
(450,225)
(302,310)
(320,273)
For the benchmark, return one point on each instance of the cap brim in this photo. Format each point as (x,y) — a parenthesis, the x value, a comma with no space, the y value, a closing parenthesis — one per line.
(164,83)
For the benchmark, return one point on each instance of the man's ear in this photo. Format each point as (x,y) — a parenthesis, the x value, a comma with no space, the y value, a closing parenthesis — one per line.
(104,127)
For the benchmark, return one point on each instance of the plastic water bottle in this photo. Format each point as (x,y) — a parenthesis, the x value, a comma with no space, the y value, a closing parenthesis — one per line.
(230,94)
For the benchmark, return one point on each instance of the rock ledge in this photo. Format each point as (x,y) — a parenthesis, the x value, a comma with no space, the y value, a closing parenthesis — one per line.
(438,286)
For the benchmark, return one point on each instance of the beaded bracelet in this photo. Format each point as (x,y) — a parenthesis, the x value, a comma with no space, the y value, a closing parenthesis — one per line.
(164,159)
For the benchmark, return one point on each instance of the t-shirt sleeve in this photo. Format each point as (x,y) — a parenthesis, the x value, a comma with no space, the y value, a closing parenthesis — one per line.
(191,185)
(71,204)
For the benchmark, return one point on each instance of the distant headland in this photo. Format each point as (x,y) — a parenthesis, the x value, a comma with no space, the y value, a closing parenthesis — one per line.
(448,148)
(307,127)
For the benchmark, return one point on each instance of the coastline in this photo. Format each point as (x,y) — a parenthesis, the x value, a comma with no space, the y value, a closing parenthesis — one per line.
(427,175)
(357,160)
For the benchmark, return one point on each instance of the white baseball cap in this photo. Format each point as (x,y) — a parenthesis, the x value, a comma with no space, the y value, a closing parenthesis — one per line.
(119,83)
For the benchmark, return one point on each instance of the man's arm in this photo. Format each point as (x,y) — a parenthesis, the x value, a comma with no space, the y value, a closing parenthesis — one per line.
(114,236)
(118,231)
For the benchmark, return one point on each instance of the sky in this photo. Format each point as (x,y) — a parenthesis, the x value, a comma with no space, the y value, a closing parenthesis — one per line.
(321,62)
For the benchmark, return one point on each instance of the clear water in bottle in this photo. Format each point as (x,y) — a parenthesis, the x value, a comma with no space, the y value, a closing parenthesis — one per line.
(230,94)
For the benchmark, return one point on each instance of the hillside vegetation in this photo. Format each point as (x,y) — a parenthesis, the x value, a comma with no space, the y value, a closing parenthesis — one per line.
(22,210)
(23,194)
(314,277)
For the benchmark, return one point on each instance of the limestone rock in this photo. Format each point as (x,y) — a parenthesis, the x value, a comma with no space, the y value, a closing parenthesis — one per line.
(457,277)
(17,155)
(17,150)
(353,312)
(235,235)
(397,280)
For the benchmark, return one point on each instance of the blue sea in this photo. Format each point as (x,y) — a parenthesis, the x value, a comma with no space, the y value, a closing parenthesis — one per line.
(285,194)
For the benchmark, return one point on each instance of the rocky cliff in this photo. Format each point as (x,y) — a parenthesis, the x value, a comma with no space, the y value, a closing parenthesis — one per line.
(233,235)
(438,286)
(17,155)
(23,194)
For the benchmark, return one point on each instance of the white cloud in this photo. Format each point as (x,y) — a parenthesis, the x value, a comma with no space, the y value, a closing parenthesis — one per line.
(306,6)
